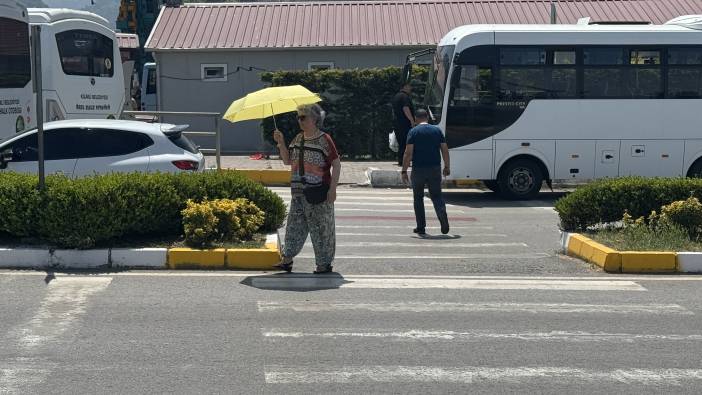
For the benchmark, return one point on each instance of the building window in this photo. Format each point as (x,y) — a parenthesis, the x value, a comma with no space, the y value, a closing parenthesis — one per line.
(312,66)
(213,72)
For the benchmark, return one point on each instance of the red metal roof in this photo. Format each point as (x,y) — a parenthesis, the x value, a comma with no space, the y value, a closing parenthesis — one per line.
(377,23)
(127,40)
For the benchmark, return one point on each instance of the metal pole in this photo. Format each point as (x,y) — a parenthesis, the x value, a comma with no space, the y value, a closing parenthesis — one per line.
(36,45)
(554,17)
(218,141)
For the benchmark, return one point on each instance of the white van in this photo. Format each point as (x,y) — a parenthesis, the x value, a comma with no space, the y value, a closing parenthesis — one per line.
(148,88)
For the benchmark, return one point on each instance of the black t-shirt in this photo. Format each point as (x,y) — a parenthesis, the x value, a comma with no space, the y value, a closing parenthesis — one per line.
(400,100)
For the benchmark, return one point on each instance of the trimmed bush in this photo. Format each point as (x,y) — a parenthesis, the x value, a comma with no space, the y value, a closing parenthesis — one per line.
(357,103)
(606,201)
(200,224)
(220,220)
(685,213)
(99,209)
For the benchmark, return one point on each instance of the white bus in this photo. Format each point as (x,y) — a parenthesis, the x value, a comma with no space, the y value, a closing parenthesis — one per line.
(520,104)
(16,97)
(81,65)
(148,88)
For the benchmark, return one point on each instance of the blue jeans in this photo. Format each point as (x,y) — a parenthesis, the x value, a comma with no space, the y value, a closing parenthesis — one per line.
(430,176)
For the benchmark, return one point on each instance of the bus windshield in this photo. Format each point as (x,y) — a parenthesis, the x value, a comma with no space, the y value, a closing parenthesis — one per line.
(15,64)
(436,83)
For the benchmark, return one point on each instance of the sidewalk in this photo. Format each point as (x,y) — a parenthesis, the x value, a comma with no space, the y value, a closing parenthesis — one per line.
(352,172)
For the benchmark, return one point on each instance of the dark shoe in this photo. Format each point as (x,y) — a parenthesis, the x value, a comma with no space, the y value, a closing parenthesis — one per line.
(323,269)
(444,225)
(284,266)
(418,231)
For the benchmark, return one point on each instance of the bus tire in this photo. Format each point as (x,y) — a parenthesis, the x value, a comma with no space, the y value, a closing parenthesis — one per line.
(696,169)
(520,179)
(492,185)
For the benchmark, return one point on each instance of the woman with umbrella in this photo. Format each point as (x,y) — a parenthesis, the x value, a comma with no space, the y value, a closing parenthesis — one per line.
(315,170)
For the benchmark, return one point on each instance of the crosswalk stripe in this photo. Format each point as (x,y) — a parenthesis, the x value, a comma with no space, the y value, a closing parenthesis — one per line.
(429,335)
(420,244)
(475,227)
(410,235)
(457,257)
(276,374)
(408,283)
(493,307)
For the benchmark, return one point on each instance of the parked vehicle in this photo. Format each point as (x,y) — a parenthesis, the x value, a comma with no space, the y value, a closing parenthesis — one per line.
(520,104)
(16,97)
(148,88)
(79,148)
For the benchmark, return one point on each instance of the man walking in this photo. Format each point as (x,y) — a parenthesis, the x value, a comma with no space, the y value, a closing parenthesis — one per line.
(424,142)
(403,117)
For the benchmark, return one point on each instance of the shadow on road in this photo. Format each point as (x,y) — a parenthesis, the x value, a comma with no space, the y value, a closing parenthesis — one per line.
(491,199)
(296,282)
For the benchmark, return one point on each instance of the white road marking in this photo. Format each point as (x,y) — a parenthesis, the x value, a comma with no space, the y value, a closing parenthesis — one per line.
(276,374)
(410,235)
(528,308)
(20,374)
(425,335)
(244,274)
(65,303)
(477,227)
(450,212)
(407,283)
(435,257)
(424,243)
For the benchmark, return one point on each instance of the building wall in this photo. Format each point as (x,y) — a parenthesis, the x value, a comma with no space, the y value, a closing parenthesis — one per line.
(181,88)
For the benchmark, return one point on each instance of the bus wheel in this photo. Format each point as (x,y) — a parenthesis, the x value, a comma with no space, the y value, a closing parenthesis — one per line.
(520,179)
(695,170)
(492,185)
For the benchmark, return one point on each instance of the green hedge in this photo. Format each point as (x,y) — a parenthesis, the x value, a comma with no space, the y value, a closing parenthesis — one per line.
(606,200)
(97,210)
(357,102)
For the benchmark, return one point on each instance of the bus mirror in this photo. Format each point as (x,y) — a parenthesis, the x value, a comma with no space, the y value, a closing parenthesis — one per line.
(456,77)
(406,73)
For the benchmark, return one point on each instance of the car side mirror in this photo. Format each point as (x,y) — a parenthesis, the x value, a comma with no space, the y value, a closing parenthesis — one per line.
(406,73)
(5,157)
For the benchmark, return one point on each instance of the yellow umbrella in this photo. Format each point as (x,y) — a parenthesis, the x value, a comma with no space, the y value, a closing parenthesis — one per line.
(269,102)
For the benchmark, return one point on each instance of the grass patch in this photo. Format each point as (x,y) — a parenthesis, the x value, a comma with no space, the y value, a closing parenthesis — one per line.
(257,241)
(643,238)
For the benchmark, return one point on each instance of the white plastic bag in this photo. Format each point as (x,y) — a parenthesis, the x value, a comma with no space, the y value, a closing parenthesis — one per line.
(392,142)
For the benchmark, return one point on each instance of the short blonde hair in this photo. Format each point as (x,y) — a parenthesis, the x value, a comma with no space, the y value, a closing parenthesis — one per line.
(313,110)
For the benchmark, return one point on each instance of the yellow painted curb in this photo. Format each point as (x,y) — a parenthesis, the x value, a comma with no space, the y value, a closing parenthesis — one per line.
(591,251)
(648,261)
(252,258)
(186,258)
(268,177)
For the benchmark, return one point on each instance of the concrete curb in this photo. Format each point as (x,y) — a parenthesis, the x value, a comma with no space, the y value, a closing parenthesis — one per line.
(144,258)
(379,178)
(268,177)
(613,261)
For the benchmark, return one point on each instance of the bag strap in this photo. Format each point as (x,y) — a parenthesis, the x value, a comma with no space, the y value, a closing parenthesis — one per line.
(301,169)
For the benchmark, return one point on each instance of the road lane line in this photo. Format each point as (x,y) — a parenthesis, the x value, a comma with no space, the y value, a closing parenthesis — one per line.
(410,234)
(323,282)
(497,307)
(427,335)
(475,227)
(277,374)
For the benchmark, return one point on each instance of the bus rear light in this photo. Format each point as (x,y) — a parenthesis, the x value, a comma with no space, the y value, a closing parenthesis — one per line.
(185,164)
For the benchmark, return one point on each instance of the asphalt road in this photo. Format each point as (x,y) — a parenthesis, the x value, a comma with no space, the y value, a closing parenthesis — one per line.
(422,318)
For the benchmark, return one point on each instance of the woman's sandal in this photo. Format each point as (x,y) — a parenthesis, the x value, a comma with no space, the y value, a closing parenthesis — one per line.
(284,266)
(323,269)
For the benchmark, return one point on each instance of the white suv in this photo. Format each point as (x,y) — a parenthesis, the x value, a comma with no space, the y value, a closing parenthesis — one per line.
(84,147)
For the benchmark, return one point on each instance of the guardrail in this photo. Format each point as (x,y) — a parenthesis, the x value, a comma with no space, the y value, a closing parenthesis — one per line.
(155,116)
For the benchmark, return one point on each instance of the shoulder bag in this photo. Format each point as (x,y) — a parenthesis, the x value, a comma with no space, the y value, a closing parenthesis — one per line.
(314,194)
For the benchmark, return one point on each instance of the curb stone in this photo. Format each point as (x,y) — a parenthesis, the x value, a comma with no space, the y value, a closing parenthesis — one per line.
(269,177)
(613,261)
(144,258)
